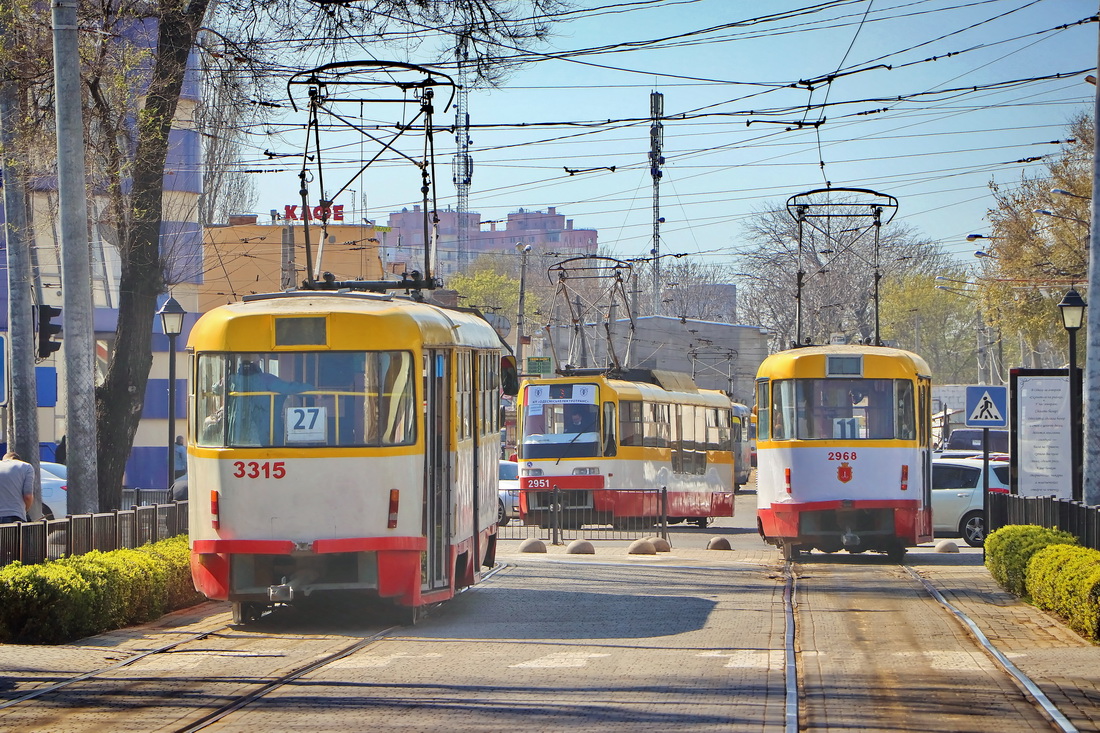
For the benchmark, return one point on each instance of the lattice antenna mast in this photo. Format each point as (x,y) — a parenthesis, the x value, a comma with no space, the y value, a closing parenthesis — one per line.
(656,160)
(463,167)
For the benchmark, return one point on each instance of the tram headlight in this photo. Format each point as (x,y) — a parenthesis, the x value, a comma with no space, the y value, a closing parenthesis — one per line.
(587,471)
(531,472)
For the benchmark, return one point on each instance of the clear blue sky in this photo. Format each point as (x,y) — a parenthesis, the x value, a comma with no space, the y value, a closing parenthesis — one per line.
(938,130)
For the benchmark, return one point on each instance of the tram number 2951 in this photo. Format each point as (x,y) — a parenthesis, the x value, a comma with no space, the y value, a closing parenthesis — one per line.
(836,455)
(256,469)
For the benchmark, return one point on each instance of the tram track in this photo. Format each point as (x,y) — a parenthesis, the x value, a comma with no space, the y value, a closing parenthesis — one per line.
(803,626)
(55,687)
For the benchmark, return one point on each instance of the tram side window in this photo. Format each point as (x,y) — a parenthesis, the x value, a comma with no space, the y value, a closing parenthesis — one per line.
(657,425)
(719,431)
(763,412)
(783,410)
(630,423)
(906,413)
(609,442)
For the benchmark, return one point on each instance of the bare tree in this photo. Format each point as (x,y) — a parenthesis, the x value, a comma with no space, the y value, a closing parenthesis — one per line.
(134,69)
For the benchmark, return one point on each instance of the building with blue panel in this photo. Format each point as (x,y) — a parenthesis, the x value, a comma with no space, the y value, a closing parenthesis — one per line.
(181,247)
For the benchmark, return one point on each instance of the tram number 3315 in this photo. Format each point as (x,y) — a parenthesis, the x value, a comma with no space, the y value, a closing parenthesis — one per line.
(256,469)
(836,455)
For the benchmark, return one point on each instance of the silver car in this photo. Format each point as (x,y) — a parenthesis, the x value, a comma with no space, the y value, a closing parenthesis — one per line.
(957,503)
(507,492)
(55,491)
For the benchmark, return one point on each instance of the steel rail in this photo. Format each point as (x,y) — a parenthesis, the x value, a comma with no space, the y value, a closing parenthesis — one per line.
(247,699)
(1029,686)
(790,661)
(244,700)
(118,665)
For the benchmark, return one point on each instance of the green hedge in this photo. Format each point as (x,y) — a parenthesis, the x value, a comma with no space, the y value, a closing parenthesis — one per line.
(1008,550)
(78,596)
(1065,579)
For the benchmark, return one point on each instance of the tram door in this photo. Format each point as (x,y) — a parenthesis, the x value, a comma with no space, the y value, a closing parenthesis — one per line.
(924,434)
(437,473)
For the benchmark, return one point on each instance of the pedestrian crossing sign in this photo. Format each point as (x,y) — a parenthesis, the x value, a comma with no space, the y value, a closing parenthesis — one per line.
(986,406)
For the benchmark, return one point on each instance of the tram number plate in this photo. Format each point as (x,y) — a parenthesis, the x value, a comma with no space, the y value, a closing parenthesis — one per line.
(847,455)
(259,469)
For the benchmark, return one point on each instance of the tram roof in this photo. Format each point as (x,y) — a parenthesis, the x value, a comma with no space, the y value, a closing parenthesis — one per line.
(809,361)
(662,386)
(392,323)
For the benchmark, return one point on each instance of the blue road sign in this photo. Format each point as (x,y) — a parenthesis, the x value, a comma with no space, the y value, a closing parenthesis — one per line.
(986,406)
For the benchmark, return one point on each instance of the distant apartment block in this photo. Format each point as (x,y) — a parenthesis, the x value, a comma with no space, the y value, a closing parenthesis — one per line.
(548,231)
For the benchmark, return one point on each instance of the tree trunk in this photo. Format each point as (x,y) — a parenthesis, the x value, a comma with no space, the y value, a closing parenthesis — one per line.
(142,277)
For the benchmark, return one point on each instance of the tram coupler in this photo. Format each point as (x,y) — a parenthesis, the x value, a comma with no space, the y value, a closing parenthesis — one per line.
(286,591)
(849,538)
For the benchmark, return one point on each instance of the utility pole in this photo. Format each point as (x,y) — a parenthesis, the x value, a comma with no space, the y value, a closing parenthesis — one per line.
(1091,441)
(288,279)
(23,438)
(463,170)
(524,249)
(83,467)
(656,160)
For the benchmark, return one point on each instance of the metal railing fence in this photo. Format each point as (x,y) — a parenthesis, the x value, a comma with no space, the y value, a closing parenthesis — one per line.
(563,515)
(1078,519)
(50,539)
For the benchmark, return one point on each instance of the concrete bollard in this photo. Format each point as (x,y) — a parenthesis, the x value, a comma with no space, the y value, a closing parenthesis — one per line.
(946,546)
(580,547)
(660,544)
(641,547)
(718,543)
(532,544)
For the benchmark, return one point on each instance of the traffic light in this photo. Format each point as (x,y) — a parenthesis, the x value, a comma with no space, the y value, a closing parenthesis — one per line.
(47,329)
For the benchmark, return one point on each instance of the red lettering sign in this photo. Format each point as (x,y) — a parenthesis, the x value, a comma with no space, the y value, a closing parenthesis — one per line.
(336,213)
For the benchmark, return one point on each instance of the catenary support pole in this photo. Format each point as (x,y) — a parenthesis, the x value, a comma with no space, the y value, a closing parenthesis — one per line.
(23,438)
(79,343)
(1091,441)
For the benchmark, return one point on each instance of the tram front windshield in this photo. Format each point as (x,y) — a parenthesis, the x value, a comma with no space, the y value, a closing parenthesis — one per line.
(842,409)
(304,399)
(560,421)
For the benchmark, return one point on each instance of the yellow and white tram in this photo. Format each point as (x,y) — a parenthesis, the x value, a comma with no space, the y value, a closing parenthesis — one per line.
(844,451)
(341,442)
(611,444)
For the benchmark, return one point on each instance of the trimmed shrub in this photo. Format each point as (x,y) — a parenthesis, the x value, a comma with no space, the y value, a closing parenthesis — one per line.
(44,604)
(1008,550)
(1065,579)
(77,596)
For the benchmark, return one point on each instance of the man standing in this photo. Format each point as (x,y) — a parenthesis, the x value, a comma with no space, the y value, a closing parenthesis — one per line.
(16,488)
(179,457)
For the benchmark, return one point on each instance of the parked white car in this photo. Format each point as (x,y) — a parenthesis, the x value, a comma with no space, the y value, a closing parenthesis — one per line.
(508,492)
(957,502)
(55,492)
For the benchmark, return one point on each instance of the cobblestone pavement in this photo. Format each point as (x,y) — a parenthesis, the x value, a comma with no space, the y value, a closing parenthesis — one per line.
(687,640)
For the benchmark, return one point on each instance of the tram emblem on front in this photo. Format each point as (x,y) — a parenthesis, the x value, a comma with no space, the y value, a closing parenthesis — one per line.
(844,473)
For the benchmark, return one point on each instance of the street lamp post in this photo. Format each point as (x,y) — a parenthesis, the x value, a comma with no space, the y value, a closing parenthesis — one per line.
(1073,314)
(524,249)
(171,321)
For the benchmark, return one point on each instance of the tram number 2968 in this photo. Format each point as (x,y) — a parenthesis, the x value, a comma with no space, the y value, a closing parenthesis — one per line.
(256,469)
(836,455)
